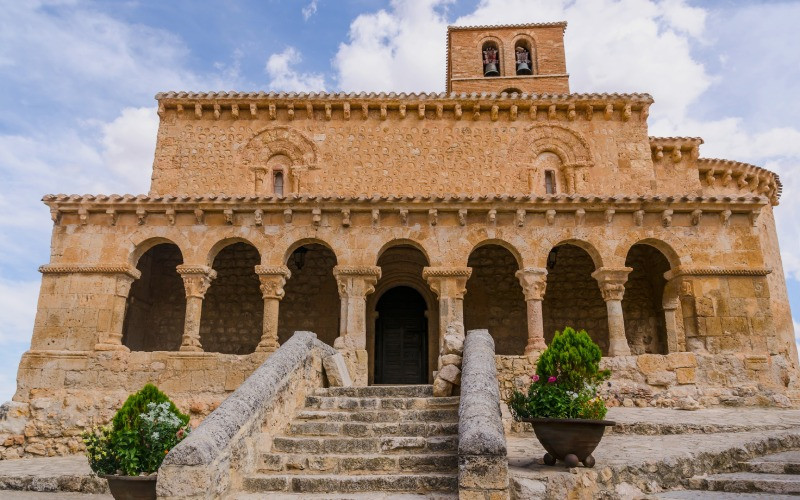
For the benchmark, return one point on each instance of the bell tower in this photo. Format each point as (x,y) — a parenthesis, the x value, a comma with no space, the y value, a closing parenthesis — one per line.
(515,58)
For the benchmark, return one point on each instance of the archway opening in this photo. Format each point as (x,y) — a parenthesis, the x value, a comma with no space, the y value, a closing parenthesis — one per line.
(401,337)
(156,305)
(642,304)
(573,297)
(311,301)
(233,310)
(494,299)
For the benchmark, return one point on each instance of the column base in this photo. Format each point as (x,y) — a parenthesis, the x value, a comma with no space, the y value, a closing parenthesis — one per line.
(536,346)
(191,348)
(111,347)
(271,347)
(619,348)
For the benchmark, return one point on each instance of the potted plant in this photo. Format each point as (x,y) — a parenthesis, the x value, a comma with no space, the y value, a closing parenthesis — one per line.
(129,451)
(562,402)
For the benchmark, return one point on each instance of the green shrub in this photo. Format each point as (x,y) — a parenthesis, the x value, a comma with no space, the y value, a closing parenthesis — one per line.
(566,381)
(141,433)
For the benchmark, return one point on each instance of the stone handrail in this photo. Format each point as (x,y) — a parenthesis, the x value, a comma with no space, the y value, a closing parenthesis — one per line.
(482,461)
(214,456)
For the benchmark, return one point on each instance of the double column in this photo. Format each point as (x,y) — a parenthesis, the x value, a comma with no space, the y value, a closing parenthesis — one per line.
(272,280)
(196,280)
(612,287)
(534,283)
(450,285)
(354,284)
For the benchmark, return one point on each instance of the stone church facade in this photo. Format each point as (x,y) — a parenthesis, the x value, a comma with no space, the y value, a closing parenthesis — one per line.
(380,221)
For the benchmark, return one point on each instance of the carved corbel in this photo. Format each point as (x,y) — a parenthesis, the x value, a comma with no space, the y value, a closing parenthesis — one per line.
(476,111)
(228,213)
(550,217)
(666,218)
(725,217)
(199,215)
(491,216)
(727,177)
(609,215)
(754,214)
(494,113)
(384,113)
(404,216)
(533,112)
(141,215)
(571,114)
(376,217)
(659,153)
(309,111)
(608,112)
(273,112)
(741,180)
(457,111)
(287,216)
(170,213)
(290,110)
(638,217)
(258,217)
(580,216)
(316,216)
(198,110)
(520,219)
(235,110)
(328,112)
(161,110)
(439,110)
(83,215)
(253,109)
(55,215)
(402,110)
(217,110)
(179,109)
(589,112)
(676,154)
(696,215)
(551,112)
(433,216)
(462,216)
(421,111)
(645,112)
(512,112)
(345,217)
(364,111)
(114,216)
(346,110)
(710,177)
(626,112)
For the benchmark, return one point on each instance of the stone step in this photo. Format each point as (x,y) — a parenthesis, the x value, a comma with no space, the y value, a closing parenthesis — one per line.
(392,444)
(718,495)
(354,464)
(378,403)
(308,483)
(372,391)
(430,415)
(748,482)
(372,495)
(372,429)
(787,462)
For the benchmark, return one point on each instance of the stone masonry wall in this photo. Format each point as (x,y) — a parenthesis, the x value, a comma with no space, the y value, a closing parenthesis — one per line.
(573,297)
(494,299)
(642,302)
(233,309)
(312,299)
(156,304)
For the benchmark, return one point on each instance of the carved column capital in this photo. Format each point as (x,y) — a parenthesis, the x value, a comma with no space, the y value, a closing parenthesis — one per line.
(196,279)
(447,282)
(356,281)
(612,281)
(272,279)
(533,281)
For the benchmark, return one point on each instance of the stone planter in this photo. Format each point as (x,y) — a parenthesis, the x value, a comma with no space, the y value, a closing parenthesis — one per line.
(132,487)
(571,440)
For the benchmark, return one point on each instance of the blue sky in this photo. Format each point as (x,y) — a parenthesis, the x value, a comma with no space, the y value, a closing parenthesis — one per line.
(77,80)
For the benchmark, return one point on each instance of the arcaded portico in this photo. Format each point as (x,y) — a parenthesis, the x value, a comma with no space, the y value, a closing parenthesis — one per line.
(378,221)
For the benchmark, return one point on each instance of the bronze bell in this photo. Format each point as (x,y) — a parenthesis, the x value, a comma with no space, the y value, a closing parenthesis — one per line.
(490,69)
(523,68)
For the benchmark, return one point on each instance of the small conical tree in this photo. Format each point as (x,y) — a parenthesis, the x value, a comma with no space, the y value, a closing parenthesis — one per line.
(574,359)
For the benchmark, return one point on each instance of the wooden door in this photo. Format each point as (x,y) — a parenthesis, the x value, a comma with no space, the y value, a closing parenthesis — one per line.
(401,336)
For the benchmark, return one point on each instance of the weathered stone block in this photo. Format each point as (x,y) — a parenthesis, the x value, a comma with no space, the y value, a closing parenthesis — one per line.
(651,363)
(685,375)
(336,370)
(681,360)
(661,378)
(484,472)
(705,306)
(450,359)
(442,388)
(450,373)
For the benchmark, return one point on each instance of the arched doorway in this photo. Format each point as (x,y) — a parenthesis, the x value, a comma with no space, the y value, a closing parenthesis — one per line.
(401,338)
(642,304)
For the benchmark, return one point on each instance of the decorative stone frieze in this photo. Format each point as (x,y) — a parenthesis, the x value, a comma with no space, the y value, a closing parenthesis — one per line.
(90,269)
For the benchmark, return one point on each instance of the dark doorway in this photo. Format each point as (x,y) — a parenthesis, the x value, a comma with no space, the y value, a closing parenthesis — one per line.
(401,338)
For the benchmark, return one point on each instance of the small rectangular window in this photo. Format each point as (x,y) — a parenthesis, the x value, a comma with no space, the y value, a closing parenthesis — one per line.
(277,183)
(549,182)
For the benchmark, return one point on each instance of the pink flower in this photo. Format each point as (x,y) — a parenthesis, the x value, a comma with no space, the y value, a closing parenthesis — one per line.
(535,377)
(551,379)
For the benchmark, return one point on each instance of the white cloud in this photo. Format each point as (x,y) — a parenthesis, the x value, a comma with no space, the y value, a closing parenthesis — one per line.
(18,299)
(129,144)
(309,10)
(284,78)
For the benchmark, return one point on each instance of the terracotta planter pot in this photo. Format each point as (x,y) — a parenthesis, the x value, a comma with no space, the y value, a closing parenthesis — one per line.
(132,487)
(569,439)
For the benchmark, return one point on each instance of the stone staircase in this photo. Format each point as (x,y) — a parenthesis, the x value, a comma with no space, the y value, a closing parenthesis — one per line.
(771,476)
(363,441)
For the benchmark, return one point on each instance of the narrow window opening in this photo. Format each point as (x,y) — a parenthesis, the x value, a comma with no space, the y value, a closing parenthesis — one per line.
(549,182)
(522,54)
(491,59)
(277,183)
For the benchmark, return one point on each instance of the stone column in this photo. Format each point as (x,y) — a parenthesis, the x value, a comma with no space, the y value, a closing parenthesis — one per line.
(111,339)
(534,283)
(671,325)
(355,283)
(450,285)
(196,280)
(272,279)
(612,286)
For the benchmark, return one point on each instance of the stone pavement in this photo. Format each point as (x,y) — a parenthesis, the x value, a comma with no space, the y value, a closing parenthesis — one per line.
(653,450)
(51,474)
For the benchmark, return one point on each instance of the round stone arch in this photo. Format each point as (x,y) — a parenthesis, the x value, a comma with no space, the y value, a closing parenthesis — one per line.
(589,247)
(216,246)
(571,150)
(500,53)
(141,247)
(500,242)
(278,149)
(395,242)
(300,242)
(530,41)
